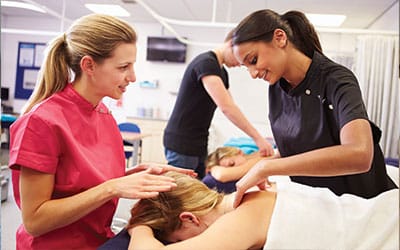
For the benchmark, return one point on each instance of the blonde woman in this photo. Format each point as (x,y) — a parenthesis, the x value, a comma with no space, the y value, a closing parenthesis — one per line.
(66,150)
(226,165)
(289,216)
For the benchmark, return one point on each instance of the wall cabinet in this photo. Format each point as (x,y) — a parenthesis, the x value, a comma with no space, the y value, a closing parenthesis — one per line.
(152,146)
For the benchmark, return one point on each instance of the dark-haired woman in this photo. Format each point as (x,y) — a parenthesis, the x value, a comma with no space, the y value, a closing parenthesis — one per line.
(317,114)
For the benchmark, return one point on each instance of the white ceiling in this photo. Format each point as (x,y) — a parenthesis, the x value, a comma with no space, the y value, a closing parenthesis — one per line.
(361,14)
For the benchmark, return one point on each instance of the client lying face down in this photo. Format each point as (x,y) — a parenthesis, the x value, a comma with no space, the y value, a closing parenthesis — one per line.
(183,212)
(192,216)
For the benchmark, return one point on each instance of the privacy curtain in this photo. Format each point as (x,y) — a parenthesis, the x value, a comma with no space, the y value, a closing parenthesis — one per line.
(377,69)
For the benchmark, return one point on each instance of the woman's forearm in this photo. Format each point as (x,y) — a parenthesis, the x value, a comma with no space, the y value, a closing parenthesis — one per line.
(225,174)
(329,161)
(41,214)
(353,156)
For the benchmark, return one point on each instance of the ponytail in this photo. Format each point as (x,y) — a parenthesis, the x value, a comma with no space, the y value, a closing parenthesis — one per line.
(260,25)
(305,37)
(53,75)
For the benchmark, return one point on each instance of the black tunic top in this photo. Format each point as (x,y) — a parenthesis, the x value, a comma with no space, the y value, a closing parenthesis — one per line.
(311,115)
(187,128)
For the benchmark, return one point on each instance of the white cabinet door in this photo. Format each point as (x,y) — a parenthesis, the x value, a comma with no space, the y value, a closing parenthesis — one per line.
(152,146)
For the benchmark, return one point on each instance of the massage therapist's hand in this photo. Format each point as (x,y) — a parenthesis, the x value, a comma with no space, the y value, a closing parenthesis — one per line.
(145,181)
(254,177)
(160,169)
(264,147)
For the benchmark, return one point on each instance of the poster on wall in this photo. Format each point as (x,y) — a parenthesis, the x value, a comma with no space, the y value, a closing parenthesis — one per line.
(30,57)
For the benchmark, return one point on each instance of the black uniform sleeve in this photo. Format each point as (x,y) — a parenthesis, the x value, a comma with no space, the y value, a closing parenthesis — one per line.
(345,97)
(207,67)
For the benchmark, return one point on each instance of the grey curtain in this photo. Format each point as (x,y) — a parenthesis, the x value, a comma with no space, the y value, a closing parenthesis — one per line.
(377,68)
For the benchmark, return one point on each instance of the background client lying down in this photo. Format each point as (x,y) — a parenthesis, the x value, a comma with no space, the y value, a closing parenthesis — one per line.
(226,165)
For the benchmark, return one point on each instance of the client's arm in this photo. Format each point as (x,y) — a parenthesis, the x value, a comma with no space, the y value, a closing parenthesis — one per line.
(225,174)
(142,237)
(253,215)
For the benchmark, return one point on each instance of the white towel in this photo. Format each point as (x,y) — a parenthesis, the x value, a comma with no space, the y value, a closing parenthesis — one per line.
(315,218)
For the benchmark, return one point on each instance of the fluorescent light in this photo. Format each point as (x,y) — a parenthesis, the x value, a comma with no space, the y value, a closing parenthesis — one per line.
(22,6)
(109,9)
(30,32)
(325,20)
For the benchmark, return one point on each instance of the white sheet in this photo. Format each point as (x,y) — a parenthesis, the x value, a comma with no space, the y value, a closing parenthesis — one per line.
(393,173)
(314,218)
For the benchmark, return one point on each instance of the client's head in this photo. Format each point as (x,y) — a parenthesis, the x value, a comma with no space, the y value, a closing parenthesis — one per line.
(167,212)
(225,156)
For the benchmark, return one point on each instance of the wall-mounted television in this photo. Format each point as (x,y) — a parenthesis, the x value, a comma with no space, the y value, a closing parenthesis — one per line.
(167,49)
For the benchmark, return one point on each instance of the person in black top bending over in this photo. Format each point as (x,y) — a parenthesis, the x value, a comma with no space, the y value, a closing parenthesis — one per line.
(317,115)
(204,87)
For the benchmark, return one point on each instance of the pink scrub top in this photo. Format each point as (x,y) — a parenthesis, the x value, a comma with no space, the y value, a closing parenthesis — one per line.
(82,146)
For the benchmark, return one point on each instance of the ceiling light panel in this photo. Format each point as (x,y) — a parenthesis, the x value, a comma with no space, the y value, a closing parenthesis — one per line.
(109,9)
(326,20)
(22,5)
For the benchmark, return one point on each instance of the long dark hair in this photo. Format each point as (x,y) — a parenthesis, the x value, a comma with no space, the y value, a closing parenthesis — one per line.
(260,26)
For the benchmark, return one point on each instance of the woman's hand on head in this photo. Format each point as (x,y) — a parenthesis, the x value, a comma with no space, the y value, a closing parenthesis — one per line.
(146,180)
(160,169)
(142,184)
(254,177)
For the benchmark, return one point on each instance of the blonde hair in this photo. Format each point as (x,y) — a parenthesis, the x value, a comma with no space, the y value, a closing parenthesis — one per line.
(95,35)
(215,157)
(161,213)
